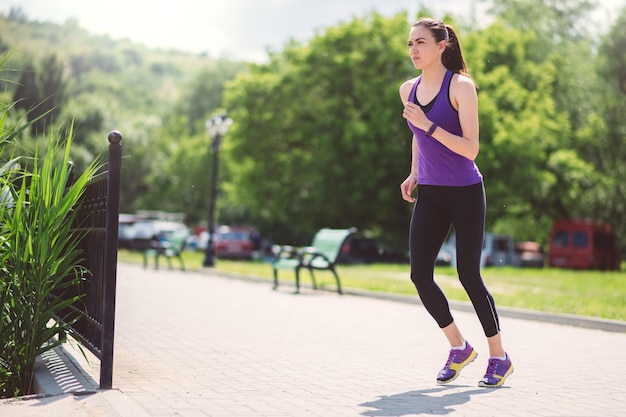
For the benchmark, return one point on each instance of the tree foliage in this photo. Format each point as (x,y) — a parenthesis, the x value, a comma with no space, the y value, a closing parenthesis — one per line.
(103,84)
(319,124)
(40,92)
(318,138)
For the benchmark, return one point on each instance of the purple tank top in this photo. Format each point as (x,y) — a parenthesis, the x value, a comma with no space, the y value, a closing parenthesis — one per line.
(438,165)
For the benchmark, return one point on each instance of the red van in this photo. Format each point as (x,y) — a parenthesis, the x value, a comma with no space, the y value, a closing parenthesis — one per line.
(583,244)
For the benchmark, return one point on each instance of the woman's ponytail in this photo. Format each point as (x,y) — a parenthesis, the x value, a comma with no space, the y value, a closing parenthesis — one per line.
(452,57)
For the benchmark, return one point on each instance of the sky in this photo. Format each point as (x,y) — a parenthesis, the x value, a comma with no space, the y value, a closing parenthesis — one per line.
(239,29)
(235,29)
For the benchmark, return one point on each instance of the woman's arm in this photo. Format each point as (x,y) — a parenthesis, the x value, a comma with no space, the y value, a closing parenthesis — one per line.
(465,100)
(409,184)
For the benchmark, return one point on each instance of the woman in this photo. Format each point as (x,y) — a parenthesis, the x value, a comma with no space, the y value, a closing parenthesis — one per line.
(441,109)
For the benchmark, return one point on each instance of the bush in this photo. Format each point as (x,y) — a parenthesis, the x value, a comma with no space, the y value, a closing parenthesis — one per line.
(39,258)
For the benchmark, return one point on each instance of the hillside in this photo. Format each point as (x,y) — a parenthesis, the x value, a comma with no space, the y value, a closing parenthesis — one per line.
(130,79)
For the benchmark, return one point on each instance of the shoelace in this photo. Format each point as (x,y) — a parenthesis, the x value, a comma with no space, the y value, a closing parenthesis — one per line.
(454,354)
(492,367)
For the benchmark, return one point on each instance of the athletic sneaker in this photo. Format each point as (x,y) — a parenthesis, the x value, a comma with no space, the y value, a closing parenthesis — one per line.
(497,371)
(457,360)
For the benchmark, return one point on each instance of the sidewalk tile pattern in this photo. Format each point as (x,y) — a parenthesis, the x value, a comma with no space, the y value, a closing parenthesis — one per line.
(195,344)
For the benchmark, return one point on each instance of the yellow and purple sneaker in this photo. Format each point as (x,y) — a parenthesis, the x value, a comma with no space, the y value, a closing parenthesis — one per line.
(497,371)
(457,360)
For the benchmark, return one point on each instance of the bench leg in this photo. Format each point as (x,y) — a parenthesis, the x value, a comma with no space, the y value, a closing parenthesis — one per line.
(298,280)
(313,278)
(337,279)
(275,279)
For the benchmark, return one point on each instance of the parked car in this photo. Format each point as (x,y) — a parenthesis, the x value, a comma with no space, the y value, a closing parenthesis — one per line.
(358,250)
(498,250)
(444,257)
(530,254)
(393,255)
(447,252)
(236,243)
(126,232)
(362,250)
(583,244)
(147,233)
(199,241)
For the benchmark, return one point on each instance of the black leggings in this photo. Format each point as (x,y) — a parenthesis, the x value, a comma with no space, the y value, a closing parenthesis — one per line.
(437,209)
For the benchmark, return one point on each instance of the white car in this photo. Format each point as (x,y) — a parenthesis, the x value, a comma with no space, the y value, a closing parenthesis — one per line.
(498,250)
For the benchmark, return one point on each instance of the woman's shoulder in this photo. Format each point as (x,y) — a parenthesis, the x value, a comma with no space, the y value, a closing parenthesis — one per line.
(463,81)
(405,88)
(408,84)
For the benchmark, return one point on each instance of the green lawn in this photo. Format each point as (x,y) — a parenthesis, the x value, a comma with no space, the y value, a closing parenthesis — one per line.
(588,293)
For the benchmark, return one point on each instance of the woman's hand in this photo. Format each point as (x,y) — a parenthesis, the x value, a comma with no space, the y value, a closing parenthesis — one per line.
(407,187)
(414,114)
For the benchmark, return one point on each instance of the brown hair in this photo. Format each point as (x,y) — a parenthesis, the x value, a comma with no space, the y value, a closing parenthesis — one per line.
(452,57)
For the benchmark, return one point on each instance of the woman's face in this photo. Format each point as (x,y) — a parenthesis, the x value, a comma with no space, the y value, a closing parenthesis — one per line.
(423,49)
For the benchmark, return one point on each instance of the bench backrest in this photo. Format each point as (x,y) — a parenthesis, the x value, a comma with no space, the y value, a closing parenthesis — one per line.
(178,239)
(330,241)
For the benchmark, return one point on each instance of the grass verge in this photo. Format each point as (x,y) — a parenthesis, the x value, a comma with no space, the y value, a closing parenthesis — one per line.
(587,293)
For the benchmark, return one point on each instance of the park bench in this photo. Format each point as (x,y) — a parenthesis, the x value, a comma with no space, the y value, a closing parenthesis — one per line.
(321,255)
(170,247)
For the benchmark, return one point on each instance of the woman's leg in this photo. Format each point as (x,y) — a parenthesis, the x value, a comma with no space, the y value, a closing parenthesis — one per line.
(469,225)
(429,227)
(495,346)
(453,334)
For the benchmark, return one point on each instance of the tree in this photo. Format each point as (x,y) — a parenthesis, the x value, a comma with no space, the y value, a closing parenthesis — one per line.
(519,122)
(537,88)
(40,92)
(561,36)
(318,138)
(26,94)
(602,139)
(335,156)
(553,21)
(203,94)
(180,180)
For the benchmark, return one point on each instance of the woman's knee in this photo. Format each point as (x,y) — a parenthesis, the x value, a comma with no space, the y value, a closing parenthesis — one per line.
(422,278)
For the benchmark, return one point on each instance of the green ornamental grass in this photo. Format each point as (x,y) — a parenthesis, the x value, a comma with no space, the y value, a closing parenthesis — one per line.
(40,261)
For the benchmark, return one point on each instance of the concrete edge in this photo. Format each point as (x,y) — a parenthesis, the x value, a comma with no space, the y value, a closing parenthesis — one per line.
(59,373)
(511,312)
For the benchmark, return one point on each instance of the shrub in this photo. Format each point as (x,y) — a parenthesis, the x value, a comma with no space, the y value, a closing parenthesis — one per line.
(39,257)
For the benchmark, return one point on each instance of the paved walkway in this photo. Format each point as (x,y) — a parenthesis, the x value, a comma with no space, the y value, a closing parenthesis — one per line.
(196,344)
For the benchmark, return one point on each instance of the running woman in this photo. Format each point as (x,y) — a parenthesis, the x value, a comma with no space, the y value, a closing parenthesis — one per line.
(441,109)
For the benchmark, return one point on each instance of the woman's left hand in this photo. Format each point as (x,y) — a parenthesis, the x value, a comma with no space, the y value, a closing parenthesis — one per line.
(414,114)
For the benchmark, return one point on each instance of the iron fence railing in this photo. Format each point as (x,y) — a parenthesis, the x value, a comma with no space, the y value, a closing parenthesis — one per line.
(92,318)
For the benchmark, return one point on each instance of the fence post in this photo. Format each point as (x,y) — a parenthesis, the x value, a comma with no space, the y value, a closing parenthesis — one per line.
(110,258)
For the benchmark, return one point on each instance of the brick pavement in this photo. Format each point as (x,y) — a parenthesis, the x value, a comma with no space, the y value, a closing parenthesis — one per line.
(196,344)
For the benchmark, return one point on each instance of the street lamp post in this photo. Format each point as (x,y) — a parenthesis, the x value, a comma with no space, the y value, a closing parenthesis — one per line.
(216,127)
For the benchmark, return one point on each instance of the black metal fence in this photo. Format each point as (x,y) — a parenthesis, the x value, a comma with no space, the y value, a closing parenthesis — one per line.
(93,316)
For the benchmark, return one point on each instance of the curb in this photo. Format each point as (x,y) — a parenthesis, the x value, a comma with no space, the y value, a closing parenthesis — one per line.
(56,373)
(510,312)
(59,374)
